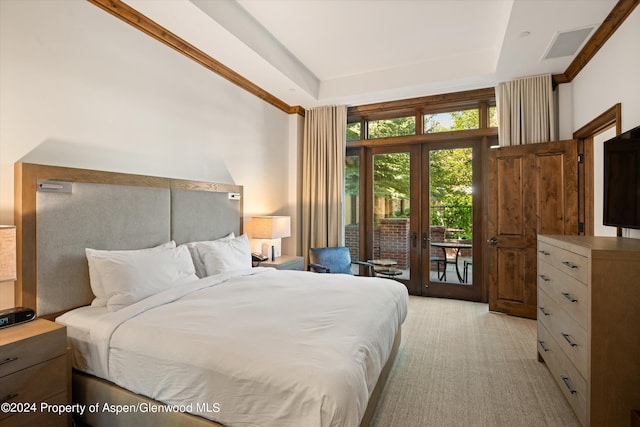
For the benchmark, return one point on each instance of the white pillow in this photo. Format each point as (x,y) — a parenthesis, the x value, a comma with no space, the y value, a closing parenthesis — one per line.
(130,277)
(95,278)
(197,260)
(226,255)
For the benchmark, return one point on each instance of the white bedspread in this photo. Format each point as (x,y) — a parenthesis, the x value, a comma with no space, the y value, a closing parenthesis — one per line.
(266,347)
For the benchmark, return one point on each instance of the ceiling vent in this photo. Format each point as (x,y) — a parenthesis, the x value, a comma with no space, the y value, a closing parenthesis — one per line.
(567,43)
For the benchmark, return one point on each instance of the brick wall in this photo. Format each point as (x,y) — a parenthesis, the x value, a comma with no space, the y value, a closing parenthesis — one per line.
(352,241)
(391,239)
(394,240)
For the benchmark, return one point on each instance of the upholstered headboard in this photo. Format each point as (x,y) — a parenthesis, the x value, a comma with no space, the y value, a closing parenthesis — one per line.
(61,211)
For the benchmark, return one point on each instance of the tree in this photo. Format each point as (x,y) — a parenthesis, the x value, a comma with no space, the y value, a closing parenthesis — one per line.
(450,189)
(450,169)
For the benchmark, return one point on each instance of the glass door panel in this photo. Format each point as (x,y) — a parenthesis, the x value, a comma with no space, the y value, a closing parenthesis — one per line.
(352,206)
(391,200)
(450,220)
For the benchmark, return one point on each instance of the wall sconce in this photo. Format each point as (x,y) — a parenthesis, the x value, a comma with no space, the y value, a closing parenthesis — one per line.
(7,253)
(273,228)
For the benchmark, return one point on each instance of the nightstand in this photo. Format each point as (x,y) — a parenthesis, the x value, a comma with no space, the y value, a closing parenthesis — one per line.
(285,262)
(34,371)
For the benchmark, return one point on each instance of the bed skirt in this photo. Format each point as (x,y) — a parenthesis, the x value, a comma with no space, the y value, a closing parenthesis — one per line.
(90,390)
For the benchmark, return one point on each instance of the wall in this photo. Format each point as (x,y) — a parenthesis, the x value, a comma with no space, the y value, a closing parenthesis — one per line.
(80,88)
(610,77)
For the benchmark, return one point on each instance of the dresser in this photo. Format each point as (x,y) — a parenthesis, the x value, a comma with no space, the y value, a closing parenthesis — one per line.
(589,323)
(34,372)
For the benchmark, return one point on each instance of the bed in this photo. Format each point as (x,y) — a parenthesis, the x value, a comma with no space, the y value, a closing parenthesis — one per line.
(214,343)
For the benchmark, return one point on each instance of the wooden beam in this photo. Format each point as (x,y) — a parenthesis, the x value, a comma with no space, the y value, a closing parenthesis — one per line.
(616,17)
(139,21)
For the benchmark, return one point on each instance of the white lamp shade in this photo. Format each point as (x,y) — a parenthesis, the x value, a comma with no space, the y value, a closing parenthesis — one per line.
(271,227)
(7,253)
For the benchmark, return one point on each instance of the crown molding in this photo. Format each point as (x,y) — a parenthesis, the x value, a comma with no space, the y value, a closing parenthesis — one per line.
(139,21)
(616,17)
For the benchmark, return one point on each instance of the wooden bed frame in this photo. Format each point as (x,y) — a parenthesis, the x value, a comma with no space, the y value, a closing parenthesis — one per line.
(88,389)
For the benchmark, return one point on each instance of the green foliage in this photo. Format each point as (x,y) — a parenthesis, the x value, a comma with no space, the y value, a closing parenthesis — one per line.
(391,176)
(455,120)
(392,127)
(469,119)
(352,175)
(450,189)
(353,131)
(493,117)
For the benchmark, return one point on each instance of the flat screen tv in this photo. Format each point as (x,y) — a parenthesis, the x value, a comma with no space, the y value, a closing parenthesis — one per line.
(622,180)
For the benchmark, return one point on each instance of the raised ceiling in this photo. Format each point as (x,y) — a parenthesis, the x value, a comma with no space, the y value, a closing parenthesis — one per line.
(319,52)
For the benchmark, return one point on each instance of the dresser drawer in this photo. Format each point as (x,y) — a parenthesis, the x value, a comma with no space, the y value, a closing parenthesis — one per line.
(573,264)
(569,293)
(36,383)
(48,341)
(40,419)
(570,336)
(571,383)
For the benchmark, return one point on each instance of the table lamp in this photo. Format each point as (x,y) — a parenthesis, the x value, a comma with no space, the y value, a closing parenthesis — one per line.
(7,253)
(273,228)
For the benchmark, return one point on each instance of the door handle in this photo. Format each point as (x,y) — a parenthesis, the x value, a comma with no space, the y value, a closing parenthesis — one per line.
(493,241)
(424,240)
(414,238)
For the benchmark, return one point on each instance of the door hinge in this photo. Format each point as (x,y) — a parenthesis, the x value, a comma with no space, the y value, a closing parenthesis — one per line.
(580,158)
(581,227)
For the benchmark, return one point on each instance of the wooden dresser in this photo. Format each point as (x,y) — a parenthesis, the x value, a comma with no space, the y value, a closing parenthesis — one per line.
(589,323)
(34,370)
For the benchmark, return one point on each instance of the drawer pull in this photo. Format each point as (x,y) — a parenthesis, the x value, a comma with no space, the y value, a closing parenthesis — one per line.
(544,278)
(9,397)
(569,297)
(570,265)
(566,382)
(545,253)
(7,360)
(543,346)
(569,340)
(543,311)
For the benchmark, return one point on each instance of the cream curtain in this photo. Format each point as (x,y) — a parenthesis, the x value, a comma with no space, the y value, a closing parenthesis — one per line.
(323,177)
(526,111)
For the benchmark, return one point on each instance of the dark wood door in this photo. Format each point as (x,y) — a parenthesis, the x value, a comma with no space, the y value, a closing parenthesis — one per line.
(533,189)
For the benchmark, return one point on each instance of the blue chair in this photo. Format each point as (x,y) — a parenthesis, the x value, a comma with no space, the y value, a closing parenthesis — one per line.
(334,260)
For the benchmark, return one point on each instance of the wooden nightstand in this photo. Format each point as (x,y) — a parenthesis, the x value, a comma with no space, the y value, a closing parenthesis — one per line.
(34,369)
(285,262)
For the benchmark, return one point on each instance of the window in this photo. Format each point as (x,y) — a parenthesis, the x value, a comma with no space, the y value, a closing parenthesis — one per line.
(493,117)
(455,120)
(400,126)
(353,131)
(419,119)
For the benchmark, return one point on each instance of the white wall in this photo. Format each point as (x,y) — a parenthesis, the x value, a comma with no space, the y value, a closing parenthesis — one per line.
(80,88)
(598,183)
(612,76)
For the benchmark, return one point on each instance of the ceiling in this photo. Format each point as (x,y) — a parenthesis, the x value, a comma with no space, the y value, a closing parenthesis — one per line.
(320,52)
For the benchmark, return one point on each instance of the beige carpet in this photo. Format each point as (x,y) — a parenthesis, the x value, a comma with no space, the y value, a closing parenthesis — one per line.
(460,365)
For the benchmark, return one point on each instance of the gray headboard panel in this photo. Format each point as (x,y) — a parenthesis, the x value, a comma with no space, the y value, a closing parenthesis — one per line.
(202,215)
(104,210)
(97,216)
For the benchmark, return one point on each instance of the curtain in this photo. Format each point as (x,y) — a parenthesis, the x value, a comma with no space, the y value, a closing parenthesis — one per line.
(323,177)
(526,111)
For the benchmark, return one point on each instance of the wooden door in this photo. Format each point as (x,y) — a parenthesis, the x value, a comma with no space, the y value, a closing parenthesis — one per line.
(533,189)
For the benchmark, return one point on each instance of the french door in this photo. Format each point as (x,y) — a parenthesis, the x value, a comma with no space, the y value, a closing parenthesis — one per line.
(422,213)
